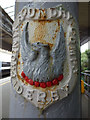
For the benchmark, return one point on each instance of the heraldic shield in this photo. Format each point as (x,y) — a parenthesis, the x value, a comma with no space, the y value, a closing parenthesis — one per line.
(44,64)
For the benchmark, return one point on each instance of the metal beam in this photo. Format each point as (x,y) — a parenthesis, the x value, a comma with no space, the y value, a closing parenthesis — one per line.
(6,31)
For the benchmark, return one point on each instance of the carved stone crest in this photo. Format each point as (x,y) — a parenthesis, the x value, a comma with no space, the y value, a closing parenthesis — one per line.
(44,64)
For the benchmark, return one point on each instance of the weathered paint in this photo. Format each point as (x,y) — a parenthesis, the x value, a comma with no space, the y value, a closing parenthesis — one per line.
(39,31)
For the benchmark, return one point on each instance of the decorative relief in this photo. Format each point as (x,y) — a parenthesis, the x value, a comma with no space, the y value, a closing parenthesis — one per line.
(44,64)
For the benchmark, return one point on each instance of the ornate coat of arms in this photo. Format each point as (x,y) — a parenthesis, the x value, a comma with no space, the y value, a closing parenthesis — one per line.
(44,64)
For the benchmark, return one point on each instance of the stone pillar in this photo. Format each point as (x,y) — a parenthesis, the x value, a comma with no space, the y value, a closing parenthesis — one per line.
(68,107)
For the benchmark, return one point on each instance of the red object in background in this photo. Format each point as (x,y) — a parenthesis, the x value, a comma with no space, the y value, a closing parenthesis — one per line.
(23,74)
(43,84)
(37,84)
(60,77)
(55,82)
(49,84)
(30,81)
